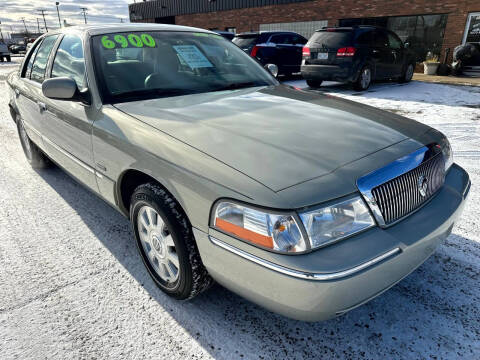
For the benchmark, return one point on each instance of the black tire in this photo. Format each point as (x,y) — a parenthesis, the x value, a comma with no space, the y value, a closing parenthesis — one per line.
(407,74)
(35,156)
(364,79)
(9,59)
(192,278)
(314,83)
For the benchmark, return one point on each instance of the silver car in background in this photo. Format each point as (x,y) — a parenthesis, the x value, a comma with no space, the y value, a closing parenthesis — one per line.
(306,204)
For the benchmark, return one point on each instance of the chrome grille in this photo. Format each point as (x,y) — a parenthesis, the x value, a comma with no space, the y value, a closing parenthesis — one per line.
(406,193)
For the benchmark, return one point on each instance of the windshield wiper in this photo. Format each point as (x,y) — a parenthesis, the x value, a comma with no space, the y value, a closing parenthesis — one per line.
(151,93)
(235,86)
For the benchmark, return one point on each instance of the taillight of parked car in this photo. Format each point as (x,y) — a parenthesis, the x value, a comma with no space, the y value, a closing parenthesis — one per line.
(346,51)
(254,51)
(306,52)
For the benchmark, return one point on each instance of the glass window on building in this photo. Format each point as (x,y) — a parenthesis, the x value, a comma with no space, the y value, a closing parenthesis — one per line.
(472,32)
(423,33)
(304,28)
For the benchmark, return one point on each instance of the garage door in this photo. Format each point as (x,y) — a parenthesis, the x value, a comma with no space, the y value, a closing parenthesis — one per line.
(305,28)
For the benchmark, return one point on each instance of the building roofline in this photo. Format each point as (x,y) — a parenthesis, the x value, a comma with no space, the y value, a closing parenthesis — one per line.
(164,8)
(97,29)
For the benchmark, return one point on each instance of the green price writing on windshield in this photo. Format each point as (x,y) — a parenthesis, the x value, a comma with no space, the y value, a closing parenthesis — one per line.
(130,41)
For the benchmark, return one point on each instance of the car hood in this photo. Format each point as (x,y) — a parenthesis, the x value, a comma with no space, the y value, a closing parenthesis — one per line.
(277,135)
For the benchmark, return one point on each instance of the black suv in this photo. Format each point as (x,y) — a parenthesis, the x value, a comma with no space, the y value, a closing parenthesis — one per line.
(358,55)
(282,48)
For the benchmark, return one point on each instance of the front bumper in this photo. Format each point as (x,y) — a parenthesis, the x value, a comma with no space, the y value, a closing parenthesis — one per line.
(333,280)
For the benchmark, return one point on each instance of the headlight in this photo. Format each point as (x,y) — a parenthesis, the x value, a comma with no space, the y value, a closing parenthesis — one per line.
(447,154)
(332,223)
(279,232)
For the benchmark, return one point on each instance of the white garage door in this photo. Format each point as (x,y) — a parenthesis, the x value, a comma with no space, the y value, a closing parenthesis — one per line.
(305,28)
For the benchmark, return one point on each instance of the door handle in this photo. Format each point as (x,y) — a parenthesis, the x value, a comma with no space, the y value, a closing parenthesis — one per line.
(42,106)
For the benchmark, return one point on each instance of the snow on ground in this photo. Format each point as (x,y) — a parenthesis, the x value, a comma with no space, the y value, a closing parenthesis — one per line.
(7,67)
(73,286)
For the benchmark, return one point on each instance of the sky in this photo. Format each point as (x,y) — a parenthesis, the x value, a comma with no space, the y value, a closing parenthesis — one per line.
(98,11)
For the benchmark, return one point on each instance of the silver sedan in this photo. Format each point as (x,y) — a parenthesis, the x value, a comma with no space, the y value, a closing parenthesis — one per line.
(306,204)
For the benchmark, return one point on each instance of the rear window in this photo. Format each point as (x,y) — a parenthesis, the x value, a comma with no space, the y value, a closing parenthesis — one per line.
(332,39)
(245,41)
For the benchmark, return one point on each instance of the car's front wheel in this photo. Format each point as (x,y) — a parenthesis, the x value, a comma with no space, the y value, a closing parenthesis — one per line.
(314,83)
(166,243)
(364,79)
(408,74)
(34,155)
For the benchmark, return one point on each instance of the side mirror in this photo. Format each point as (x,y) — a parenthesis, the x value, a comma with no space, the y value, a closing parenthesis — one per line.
(407,45)
(65,88)
(273,69)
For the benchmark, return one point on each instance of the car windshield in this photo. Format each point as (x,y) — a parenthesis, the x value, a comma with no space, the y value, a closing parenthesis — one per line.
(138,65)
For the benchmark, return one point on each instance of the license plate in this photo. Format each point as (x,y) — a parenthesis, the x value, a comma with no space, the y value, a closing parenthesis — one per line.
(322,56)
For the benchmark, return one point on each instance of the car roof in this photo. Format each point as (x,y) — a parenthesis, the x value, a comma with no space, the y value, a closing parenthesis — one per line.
(223,32)
(350,28)
(99,29)
(252,33)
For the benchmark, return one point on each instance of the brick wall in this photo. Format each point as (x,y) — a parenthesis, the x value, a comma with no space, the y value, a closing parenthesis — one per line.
(333,10)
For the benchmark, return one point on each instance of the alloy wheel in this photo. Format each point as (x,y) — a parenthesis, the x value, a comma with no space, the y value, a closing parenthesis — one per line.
(409,73)
(158,244)
(366,78)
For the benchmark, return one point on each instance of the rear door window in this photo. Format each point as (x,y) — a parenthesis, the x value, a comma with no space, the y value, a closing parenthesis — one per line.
(280,39)
(40,62)
(28,69)
(245,41)
(331,39)
(297,40)
(381,39)
(364,39)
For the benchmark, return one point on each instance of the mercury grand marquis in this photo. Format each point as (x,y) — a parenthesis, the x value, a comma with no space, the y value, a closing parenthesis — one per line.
(306,204)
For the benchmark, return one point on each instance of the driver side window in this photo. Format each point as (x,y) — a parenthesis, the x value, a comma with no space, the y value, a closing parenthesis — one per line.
(69,60)
(394,42)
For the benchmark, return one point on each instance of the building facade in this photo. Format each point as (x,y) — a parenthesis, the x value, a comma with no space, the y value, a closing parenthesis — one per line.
(429,26)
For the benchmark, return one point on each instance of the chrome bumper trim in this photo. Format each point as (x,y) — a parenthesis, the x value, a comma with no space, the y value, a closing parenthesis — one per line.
(301,274)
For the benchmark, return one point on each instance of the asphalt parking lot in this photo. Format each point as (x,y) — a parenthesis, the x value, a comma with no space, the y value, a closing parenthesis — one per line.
(73,286)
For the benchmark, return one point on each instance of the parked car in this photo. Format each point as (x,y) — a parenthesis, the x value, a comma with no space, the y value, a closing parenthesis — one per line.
(226,34)
(4,52)
(306,204)
(18,48)
(357,55)
(282,48)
